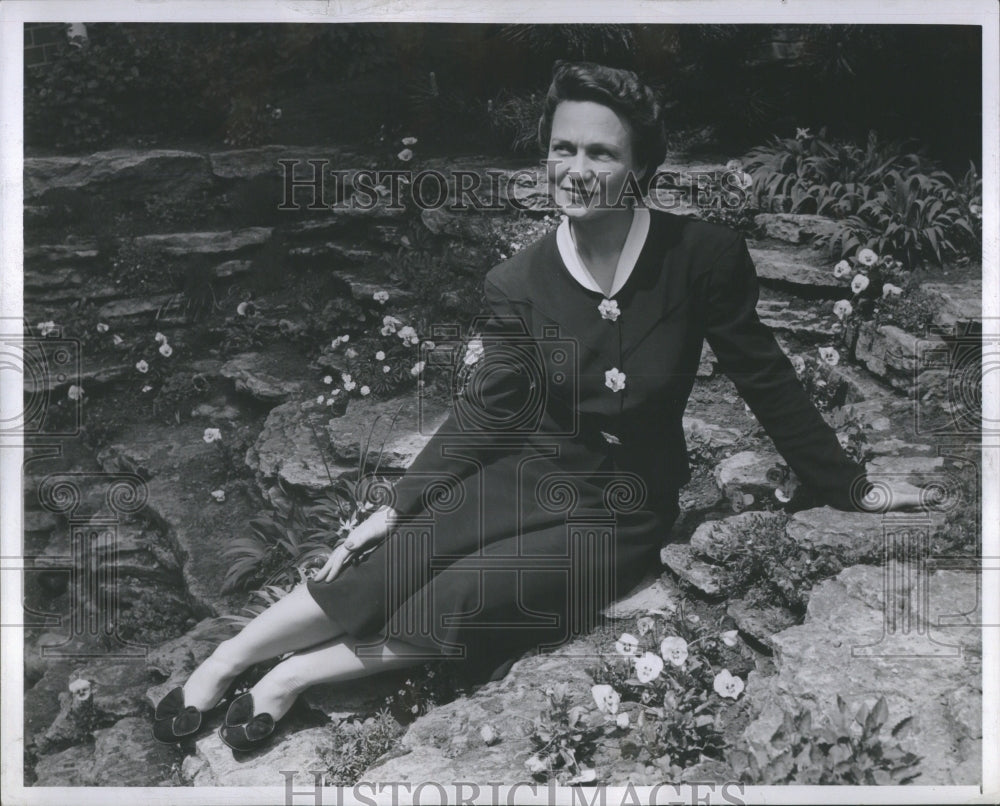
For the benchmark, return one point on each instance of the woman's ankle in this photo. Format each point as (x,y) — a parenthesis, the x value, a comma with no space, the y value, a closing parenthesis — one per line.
(227,659)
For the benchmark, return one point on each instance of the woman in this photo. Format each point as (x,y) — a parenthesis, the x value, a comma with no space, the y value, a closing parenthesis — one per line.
(557,471)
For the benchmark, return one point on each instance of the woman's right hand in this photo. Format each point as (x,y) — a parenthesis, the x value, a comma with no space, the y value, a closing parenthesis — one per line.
(364,536)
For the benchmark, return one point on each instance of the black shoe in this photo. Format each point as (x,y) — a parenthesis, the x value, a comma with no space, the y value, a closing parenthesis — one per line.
(242,730)
(173,721)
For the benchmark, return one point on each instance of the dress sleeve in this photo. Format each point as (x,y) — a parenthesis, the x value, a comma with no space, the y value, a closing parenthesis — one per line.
(763,375)
(495,394)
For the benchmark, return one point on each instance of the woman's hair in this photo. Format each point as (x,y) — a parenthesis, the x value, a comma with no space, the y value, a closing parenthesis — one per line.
(622,91)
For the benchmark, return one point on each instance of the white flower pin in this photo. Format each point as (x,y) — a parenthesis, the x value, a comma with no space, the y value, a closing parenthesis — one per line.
(609,309)
(614,379)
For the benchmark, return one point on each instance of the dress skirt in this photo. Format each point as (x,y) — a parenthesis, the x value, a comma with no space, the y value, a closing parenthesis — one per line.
(518,555)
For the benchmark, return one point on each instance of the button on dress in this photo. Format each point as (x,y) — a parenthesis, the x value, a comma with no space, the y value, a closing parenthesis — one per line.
(552,484)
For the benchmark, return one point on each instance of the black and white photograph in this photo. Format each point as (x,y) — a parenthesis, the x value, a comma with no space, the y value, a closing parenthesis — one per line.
(495,404)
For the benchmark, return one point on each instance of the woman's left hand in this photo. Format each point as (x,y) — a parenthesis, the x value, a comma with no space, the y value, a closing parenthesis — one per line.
(898,495)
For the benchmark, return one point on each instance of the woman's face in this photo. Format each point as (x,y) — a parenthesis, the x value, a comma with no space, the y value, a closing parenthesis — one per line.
(590,157)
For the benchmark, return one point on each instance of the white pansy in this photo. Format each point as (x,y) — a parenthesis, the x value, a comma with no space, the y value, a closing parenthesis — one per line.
(842,270)
(859,283)
(829,355)
(159,337)
(606,698)
(627,645)
(74,392)
(727,685)
(166,350)
(219,495)
(142,366)
(673,648)
(102,327)
(890,290)
(648,667)
(211,434)
(842,308)
(866,257)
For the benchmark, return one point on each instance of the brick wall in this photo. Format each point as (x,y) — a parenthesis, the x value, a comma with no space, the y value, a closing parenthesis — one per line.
(41,40)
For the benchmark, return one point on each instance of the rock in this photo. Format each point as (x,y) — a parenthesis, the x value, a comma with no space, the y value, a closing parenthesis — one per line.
(445,744)
(852,536)
(292,446)
(232,268)
(147,307)
(657,593)
(118,687)
(957,306)
(797,270)
(717,540)
(795,227)
(180,470)
(807,324)
(748,471)
(708,437)
(256,163)
(273,377)
(846,647)
(364,284)
(334,253)
(897,356)
(760,621)
(71,767)
(372,422)
(707,363)
(679,558)
(918,470)
(891,446)
(41,702)
(39,520)
(45,259)
(870,413)
(216,244)
(126,754)
(293,748)
(122,174)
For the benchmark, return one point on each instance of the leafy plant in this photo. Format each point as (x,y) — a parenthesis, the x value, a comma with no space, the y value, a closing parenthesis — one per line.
(428,686)
(847,750)
(562,738)
(358,744)
(677,718)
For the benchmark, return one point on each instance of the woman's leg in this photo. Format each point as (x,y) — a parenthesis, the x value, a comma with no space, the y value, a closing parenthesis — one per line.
(293,622)
(331,662)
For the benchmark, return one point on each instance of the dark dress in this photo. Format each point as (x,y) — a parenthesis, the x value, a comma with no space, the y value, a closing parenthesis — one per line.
(547,493)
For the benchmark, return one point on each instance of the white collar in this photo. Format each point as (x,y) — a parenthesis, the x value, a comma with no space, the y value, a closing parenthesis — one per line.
(626,261)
